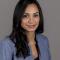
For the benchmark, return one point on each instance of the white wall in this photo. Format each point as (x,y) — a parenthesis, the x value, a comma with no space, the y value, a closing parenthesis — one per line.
(51,12)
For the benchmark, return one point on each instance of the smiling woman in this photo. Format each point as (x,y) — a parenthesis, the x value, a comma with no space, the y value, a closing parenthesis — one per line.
(26,41)
(30,19)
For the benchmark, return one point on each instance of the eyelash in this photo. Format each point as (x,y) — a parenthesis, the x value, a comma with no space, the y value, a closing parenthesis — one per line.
(36,15)
(25,16)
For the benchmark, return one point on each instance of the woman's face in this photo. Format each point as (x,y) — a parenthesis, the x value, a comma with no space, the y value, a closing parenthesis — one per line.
(30,19)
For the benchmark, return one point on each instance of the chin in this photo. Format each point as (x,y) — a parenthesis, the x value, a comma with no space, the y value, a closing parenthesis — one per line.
(31,30)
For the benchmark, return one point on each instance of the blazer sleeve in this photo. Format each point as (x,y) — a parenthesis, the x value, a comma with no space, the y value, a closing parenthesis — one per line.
(47,49)
(5,51)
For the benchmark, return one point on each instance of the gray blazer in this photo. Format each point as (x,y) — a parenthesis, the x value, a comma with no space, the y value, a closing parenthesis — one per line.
(7,49)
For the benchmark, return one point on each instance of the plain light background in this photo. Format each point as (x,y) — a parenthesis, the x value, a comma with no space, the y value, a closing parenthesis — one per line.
(51,12)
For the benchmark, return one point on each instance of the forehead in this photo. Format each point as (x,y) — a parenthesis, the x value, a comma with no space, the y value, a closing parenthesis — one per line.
(31,8)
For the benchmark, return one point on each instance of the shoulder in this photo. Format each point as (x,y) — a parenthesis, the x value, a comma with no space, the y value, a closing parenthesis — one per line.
(6,41)
(6,49)
(6,44)
(41,37)
(43,44)
(42,40)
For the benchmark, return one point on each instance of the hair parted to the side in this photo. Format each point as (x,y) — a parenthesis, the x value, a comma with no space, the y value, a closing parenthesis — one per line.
(18,35)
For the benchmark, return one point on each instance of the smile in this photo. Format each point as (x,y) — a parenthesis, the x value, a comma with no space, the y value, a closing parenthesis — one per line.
(31,26)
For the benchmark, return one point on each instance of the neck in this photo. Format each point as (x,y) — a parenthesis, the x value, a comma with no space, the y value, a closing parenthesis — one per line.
(30,36)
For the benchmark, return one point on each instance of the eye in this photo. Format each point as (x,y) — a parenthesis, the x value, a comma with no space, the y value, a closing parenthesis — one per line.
(36,15)
(25,16)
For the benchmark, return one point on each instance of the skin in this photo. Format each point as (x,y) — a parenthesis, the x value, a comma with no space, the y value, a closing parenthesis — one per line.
(30,22)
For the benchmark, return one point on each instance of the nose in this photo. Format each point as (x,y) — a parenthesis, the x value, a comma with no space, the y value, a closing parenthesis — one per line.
(31,20)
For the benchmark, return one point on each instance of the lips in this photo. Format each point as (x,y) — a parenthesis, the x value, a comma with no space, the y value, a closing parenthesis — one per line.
(31,26)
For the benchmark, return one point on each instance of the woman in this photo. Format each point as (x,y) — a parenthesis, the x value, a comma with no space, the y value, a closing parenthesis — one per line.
(26,41)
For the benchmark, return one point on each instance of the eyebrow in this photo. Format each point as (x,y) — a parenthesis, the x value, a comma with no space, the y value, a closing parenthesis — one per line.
(36,13)
(33,13)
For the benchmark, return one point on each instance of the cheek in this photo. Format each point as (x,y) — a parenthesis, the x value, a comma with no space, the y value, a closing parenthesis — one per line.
(23,23)
(37,20)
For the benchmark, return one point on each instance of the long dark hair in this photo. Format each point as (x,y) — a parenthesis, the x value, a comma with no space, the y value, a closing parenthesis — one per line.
(18,35)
